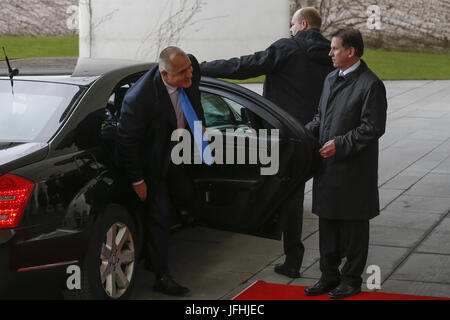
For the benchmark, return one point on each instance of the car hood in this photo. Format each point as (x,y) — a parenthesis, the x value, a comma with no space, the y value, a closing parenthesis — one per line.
(14,155)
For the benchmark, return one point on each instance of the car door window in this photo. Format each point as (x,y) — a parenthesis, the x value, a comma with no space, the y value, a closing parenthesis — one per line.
(221,112)
(236,108)
(216,110)
(98,128)
(116,99)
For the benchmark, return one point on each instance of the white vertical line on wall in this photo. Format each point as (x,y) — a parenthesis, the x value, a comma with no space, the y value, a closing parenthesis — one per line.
(85,31)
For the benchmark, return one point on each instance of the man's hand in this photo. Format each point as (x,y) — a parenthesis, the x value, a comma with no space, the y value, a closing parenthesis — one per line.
(328,150)
(141,191)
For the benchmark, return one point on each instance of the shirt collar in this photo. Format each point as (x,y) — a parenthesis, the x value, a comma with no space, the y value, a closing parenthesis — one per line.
(352,68)
(170,89)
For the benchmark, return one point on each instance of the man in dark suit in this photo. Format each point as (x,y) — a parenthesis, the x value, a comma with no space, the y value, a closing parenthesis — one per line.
(151,112)
(350,120)
(295,69)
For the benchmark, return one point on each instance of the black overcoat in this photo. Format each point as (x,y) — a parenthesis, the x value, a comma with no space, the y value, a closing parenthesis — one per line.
(295,67)
(352,112)
(146,125)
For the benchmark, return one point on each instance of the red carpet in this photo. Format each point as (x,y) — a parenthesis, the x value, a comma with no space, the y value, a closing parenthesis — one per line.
(261,290)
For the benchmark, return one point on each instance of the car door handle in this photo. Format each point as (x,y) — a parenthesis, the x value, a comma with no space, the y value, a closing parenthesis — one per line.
(80,162)
(88,159)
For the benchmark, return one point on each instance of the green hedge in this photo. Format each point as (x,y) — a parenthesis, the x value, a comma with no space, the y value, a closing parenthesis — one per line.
(387,65)
(38,47)
(401,66)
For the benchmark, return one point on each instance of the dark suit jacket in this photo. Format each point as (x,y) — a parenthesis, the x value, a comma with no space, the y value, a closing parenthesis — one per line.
(352,112)
(295,67)
(146,124)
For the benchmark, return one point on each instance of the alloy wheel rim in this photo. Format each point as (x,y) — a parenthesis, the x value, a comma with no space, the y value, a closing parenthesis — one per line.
(117,260)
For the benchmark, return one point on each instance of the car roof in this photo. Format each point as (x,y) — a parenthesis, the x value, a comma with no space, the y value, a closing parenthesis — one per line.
(78,71)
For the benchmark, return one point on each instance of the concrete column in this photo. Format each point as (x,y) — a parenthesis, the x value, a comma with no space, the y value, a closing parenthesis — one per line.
(85,32)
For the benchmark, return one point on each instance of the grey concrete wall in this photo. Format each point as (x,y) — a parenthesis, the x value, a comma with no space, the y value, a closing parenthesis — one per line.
(409,25)
(38,17)
(209,29)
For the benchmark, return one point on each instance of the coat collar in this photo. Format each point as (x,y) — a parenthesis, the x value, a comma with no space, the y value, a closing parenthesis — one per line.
(352,68)
(355,74)
(307,33)
(352,76)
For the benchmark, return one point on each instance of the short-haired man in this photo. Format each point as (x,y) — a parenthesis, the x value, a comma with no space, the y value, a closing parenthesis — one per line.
(295,69)
(151,112)
(350,120)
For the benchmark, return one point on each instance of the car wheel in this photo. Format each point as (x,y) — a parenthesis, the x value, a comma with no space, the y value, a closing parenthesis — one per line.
(109,267)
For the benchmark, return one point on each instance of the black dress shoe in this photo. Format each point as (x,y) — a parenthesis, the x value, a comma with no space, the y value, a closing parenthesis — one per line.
(285,270)
(343,291)
(319,288)
(167,285)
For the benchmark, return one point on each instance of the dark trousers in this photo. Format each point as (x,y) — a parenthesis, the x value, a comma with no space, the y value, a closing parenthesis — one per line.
(339,239)
(292,230)
(165,200)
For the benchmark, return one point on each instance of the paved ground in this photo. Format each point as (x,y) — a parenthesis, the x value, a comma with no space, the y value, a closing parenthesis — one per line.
(410,240)
(38,66)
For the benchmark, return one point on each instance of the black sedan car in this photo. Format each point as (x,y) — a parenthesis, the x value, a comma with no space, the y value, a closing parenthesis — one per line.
(64,202)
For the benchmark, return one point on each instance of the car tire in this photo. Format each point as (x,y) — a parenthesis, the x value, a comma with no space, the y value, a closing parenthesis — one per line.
(109,268)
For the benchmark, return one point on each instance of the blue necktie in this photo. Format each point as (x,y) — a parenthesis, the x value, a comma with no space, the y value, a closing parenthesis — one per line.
(191,117)
(341,74)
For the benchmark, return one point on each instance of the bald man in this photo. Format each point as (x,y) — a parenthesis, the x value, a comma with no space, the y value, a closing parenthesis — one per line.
(295,70)
(151,112)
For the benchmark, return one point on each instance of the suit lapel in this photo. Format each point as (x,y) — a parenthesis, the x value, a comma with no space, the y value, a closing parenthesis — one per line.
(336,85)
(165,102)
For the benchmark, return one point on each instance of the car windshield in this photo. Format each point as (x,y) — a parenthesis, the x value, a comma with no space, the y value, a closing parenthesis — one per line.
(33,112)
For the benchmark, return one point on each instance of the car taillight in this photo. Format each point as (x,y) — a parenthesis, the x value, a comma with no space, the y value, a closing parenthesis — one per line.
(14,194)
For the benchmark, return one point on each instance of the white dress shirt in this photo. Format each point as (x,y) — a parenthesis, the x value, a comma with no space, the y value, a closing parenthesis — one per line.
(352,68)
(173,94)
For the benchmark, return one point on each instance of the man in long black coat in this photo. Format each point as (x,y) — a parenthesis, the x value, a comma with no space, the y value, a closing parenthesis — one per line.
(295,69)
(350,120)
(151,112)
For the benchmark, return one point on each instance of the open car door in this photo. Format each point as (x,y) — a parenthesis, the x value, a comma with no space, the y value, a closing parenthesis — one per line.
(238,193)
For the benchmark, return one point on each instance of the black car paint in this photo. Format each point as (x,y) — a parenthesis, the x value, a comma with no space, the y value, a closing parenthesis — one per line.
(254,196)
(75,179)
